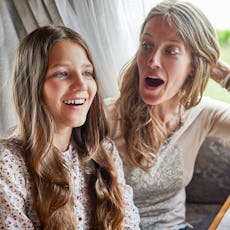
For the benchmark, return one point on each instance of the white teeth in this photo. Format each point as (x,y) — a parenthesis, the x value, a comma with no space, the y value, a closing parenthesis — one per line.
(75,102)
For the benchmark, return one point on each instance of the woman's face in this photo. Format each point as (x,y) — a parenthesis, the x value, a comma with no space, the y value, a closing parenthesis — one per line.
(69,86)
(164,62)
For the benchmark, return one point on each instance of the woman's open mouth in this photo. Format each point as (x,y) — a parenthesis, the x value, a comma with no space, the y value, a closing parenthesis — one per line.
(153,82)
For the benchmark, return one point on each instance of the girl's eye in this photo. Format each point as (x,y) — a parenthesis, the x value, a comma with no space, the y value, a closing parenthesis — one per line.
(87,74)
(62,74)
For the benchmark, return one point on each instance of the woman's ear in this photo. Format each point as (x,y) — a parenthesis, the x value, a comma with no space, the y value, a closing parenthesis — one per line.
(190,77)
(192,71)
(192,67)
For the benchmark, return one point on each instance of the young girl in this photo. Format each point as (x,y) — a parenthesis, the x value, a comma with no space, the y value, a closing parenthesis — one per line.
(161,119)
(58,169)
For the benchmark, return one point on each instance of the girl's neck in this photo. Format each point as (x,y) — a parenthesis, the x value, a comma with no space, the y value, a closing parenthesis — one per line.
(62,139)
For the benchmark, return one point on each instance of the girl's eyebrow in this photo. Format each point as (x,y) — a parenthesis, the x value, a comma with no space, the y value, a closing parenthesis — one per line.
(67,65)
(87,65)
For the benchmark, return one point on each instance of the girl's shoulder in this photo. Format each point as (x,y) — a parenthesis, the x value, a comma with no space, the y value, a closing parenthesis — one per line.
(109,105)
(108,144)
(11,152)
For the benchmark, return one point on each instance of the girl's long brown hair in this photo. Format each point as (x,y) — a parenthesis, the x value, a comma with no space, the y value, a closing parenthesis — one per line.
(51,173)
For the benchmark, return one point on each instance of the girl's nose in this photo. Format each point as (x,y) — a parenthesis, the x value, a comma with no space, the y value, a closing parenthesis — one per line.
(78,82)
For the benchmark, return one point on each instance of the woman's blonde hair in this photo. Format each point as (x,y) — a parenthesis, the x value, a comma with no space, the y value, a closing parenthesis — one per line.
(141,128)
(51,174)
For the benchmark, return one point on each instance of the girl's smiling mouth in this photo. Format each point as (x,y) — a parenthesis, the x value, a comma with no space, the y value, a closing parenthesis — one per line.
(75,102)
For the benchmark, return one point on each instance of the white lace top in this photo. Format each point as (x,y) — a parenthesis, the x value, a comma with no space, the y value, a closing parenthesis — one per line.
(16,210)
(160,193)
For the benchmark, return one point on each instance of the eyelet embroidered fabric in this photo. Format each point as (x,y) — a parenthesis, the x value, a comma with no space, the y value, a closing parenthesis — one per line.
(16,211)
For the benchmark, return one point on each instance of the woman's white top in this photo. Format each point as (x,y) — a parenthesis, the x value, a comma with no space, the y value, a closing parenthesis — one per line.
(160,193)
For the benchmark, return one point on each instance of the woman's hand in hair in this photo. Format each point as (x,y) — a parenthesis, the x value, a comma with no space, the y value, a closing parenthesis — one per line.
(220,71)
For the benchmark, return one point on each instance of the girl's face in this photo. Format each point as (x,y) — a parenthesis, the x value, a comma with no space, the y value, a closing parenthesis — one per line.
(69,86)
(164,62)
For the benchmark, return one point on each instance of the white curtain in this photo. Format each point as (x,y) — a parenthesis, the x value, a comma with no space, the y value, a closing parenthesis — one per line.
(111,30)
(110,27)
(8,42)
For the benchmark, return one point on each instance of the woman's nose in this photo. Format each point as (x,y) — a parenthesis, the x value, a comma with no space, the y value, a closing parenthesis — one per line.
(154,59)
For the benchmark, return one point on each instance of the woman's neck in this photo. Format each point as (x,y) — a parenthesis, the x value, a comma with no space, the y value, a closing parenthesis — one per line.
(170,116)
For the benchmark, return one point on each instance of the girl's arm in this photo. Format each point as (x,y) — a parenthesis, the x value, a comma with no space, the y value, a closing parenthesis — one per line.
(13,191)
(132,218)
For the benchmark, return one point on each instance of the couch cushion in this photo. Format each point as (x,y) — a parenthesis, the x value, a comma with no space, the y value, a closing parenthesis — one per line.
(211,181)
(201,215)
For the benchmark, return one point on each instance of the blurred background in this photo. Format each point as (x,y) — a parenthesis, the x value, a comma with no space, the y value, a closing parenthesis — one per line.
(218,14)
(111,29)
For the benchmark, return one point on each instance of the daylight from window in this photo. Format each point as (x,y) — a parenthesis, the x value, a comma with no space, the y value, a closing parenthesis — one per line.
(217,11)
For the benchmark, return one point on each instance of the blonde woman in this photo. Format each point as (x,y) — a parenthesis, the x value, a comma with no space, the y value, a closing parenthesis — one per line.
(161,119)
(58,169)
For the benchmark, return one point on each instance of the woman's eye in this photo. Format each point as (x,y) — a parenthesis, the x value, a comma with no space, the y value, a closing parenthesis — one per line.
(171,51)
(62,74)
(87,74)
(146,46)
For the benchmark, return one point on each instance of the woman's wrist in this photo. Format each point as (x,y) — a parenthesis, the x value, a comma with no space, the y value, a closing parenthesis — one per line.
(225,83)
